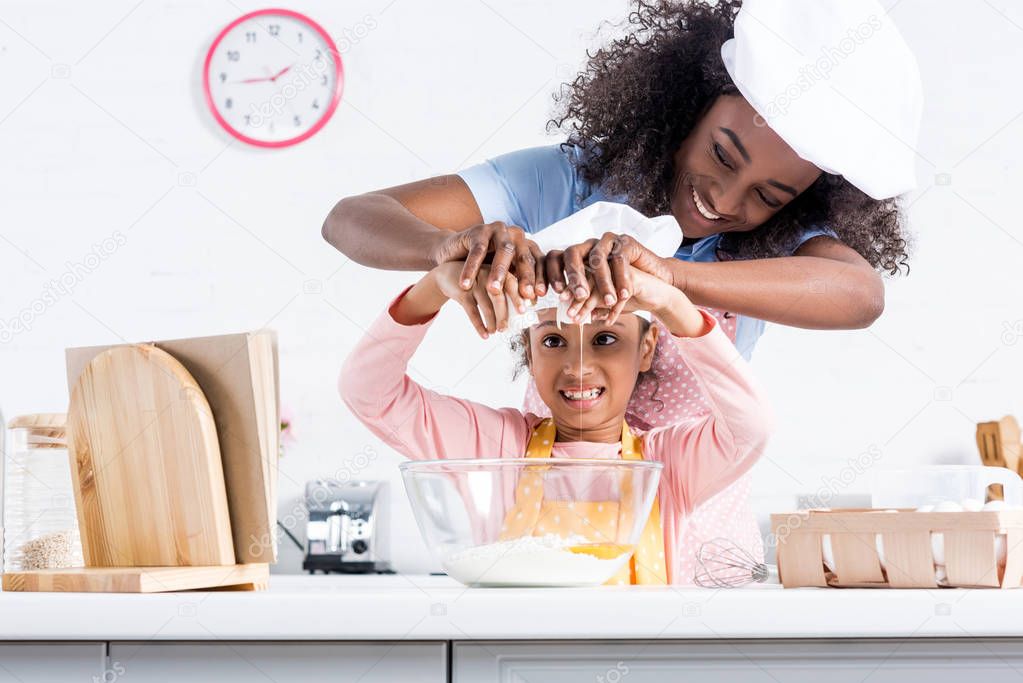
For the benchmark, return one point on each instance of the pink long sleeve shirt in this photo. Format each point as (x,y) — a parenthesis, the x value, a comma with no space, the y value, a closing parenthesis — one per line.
(701,456)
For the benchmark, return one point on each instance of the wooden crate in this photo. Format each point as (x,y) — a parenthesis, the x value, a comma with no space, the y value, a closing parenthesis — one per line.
(970,540)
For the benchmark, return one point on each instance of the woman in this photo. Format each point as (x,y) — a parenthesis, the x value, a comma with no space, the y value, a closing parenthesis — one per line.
(779,136)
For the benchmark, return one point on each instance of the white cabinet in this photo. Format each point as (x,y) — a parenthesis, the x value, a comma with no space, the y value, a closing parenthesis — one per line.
(52,662)
(282,662)
(790,661)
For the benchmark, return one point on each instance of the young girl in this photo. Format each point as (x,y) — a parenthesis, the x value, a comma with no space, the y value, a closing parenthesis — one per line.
(585,374)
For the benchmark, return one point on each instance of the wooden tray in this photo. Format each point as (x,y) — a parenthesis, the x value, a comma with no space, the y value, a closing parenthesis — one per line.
(969,539)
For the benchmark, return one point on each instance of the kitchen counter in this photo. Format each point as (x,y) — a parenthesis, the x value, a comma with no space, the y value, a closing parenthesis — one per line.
(436,608)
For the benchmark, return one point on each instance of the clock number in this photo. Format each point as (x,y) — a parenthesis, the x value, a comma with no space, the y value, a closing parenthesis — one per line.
(300,36)
(250,36)
(233,55)
(223,77)
(228,103)
(298,121)
(247,119)
(316,104)
(324,81)
(274,29)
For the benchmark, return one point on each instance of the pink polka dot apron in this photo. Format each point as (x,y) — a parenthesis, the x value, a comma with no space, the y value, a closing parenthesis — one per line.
(672,397)
(598,521)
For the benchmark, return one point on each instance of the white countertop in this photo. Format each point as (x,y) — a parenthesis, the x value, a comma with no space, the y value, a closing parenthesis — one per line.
(414,607)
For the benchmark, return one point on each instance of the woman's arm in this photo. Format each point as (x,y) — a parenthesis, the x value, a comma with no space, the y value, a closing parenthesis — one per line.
(826,285)
(419,225)
(400,228)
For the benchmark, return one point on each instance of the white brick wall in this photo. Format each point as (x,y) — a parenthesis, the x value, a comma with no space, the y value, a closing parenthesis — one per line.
(103,132)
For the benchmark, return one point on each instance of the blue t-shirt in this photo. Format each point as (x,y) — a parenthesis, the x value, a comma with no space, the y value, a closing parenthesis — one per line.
(535,187)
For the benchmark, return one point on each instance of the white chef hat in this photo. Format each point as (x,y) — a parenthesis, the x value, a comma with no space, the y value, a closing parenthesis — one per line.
(661,235)
(837,82)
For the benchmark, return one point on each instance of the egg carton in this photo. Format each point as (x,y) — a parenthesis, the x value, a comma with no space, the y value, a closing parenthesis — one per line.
(869,548)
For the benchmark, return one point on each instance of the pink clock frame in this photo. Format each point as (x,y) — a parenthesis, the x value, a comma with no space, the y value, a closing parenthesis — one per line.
(335,97)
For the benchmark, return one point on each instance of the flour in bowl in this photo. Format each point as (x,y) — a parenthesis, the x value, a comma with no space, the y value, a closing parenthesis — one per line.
(534,561)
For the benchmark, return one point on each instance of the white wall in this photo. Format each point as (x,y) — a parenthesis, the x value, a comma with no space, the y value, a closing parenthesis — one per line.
(103,132)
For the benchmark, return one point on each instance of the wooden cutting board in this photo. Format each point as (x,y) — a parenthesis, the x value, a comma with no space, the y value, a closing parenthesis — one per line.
(139,579)
(239,375)
(145,464)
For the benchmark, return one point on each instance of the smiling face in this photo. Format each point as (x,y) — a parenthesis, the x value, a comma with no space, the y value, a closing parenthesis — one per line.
(586,373)
(732,174)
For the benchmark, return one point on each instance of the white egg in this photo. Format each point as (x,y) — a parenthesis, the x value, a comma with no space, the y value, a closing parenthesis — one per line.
(940,576)
(925,508)
(829,557)
(995,505)
(948,506)
(972,504)
(938,547)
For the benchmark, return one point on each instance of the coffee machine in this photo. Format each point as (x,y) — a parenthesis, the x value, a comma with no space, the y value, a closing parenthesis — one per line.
(345,531)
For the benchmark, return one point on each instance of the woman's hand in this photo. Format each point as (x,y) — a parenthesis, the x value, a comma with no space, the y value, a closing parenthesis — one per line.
(606,262)
(513,253)
(487,313)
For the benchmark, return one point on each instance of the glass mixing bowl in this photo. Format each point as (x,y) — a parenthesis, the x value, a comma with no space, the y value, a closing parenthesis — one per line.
(530,521)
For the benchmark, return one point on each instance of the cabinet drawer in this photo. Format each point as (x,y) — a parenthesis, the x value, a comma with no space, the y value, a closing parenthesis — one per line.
(781,661)
(39,662)
(282,662)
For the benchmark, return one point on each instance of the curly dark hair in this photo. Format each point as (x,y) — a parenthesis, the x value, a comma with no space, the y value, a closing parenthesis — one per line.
(620,106)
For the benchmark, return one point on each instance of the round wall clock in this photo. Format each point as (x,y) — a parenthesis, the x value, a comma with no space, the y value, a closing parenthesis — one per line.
(273,78)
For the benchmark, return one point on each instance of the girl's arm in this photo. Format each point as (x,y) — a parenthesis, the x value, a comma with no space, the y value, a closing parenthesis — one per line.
(703,456)
(414,419)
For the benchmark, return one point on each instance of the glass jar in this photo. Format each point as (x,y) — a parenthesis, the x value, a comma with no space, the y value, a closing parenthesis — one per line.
(40,525)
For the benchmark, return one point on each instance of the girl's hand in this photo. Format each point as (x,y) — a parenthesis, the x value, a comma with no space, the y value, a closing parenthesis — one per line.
(606,262)
(511,250)
(652,294)
(487,313)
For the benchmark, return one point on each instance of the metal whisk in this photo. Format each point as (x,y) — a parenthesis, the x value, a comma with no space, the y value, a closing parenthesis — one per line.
(723,564)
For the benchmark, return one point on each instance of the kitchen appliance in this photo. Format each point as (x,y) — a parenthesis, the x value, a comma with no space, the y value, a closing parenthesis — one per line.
(346,527)
(529,521)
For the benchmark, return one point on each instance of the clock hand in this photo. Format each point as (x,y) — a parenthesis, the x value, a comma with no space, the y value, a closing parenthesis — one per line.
(268,78)
(281,72)
(254,80)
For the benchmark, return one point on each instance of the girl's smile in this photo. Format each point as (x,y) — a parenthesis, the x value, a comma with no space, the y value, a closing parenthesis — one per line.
(586,373)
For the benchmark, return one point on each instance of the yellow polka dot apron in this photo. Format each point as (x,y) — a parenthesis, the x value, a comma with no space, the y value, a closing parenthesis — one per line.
(531,515)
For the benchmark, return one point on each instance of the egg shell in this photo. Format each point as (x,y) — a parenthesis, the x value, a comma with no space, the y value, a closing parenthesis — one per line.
(972,504)
(829,557)
(995,505)
(948,506)
(925,508)
(938,547)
